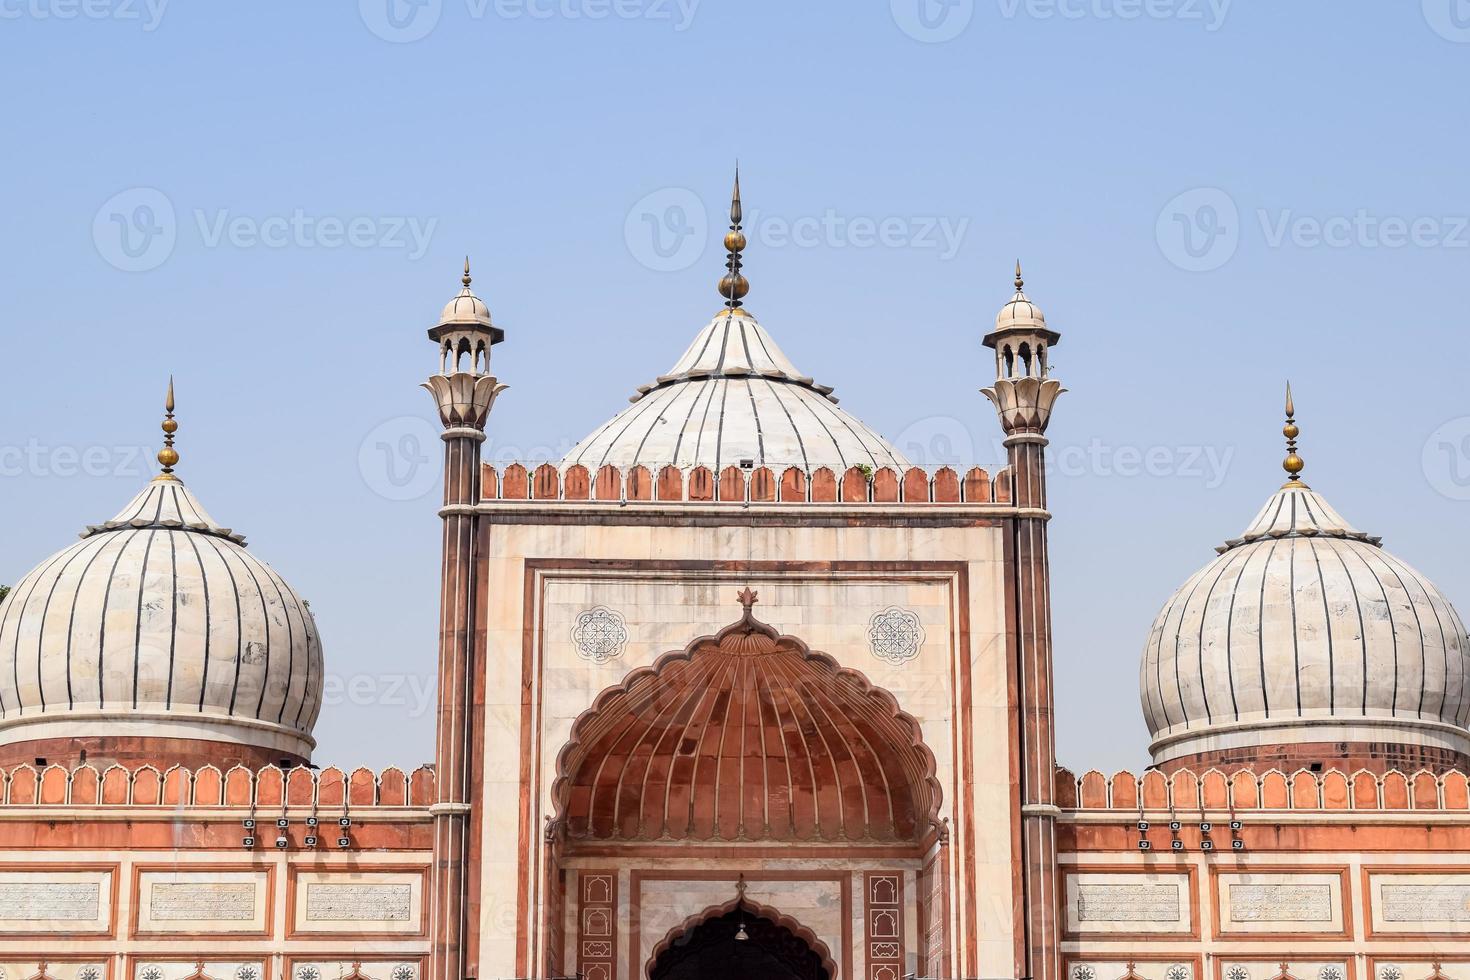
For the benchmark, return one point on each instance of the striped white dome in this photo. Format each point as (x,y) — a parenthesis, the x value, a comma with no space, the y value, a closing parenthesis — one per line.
(734,396)
(159,624)
(1304,630)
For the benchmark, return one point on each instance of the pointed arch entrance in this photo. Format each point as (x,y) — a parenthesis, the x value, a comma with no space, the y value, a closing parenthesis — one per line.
(747,735)
(739,940)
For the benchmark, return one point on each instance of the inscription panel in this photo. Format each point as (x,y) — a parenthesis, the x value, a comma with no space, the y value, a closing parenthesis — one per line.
(330,902)
(1420,903)
(360,903)
(55,902)
(1128,903)
(204,901)
(1287,903)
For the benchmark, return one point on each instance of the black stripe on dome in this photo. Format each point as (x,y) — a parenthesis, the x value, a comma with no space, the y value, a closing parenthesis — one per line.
(239,630)
(73,552)
(138,623)
(71,620)
(800,442)
(1327,619)
(208,621)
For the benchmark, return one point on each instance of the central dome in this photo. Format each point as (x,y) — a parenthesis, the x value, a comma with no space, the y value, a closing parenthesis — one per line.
(735,396)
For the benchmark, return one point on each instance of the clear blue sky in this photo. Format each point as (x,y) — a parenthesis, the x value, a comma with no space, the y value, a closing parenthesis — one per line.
(1207,199)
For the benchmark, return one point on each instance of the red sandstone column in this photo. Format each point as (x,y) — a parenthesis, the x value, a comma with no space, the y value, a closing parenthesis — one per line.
(1023,395)
(464,399)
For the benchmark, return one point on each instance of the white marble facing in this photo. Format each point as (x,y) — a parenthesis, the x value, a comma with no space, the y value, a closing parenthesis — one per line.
(203,902)
(1100,903)
(1305,630)
(1420,903)
(14,968)
(54,901)
(817,905)
(377,902)
(1256,903)
(147,968)
(158,616)
(1109,969)
(734,396)
(830,610)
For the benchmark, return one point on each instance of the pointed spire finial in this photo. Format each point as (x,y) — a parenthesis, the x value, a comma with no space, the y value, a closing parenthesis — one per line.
(466,279)
(1293,464)
(168,457)
(734,286)
(1019,281)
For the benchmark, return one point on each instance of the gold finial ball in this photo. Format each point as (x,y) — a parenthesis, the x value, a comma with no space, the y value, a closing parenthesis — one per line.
(734,287)
(170,426)
(168,457)
(1290,430)
(1293,464)
(734,241)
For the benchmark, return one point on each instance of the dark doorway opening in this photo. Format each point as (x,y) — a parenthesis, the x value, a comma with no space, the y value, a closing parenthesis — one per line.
(739,945)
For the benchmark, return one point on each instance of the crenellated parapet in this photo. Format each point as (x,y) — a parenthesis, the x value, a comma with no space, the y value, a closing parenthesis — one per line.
(1186,791)
(269,789)
(738,485)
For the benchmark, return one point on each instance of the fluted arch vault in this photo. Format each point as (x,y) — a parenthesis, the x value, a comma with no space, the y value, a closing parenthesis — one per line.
(746,735)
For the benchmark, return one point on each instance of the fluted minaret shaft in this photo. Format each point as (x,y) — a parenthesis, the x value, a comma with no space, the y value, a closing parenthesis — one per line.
(1023,395)
(464,393)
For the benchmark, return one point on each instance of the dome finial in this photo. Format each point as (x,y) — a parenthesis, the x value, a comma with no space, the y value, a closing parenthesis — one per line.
(466,277)
(734,286)
(168,457)
(1019,281)
(1293,463)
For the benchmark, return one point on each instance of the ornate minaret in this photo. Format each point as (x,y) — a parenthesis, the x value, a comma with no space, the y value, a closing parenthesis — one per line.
(464,391)
(1023,395)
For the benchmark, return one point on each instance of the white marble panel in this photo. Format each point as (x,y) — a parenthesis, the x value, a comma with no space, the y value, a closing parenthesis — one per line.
(55,902)
(1265,903)
(1127,903)
(207,902)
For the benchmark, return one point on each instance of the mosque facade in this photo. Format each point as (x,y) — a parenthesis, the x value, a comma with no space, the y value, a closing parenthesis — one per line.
(735,690)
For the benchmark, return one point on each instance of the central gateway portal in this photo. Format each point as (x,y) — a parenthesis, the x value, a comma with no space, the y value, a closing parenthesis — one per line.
(739,945)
